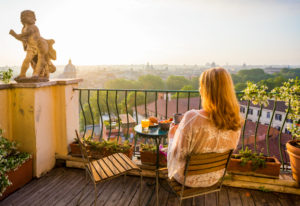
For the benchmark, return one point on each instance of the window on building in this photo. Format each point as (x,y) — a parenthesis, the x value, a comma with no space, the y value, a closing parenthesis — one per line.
(242,109)
(287,131)
(258,112)
(278,117)
(268,115)
(250,111)
(289,121)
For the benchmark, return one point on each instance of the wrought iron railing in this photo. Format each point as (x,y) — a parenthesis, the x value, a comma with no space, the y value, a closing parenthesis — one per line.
(113,102)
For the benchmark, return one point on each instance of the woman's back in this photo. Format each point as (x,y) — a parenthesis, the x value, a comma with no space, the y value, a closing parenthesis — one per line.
(197,134)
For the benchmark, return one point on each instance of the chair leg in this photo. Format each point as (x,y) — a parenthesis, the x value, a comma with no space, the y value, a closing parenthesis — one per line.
(141,185)
(218,194)
(194,202)
(180,202)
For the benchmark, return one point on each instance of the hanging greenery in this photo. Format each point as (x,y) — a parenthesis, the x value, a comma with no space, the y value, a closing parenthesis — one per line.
(10,159)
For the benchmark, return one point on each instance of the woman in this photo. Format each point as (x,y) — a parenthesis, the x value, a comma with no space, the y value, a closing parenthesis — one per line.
(215,128)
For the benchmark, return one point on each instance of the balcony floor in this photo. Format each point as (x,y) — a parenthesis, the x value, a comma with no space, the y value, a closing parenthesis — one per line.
(62,185)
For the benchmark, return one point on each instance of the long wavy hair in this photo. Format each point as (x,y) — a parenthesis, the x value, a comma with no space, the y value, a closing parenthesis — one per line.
(219,99)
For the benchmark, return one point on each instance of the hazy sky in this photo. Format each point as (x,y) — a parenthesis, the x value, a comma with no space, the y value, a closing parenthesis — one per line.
(94,32)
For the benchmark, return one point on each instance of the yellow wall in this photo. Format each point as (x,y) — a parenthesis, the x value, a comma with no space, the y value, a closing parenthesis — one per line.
(42,117)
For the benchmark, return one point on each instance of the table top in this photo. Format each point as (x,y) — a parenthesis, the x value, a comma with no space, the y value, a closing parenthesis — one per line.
(152,133)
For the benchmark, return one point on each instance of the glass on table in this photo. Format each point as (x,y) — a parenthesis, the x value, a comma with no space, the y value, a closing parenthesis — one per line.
(145,125)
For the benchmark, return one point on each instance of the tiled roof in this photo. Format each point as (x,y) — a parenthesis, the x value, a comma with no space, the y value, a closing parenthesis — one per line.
(261,140)
(161,106)
(280,106)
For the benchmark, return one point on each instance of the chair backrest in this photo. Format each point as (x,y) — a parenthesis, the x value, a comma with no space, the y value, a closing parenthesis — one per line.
(197,164)
(84,150)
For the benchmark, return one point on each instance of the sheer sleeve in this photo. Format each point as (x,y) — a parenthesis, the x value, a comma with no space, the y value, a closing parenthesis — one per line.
(181,145)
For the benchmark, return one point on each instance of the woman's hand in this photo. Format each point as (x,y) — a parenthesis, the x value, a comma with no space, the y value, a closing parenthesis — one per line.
(172,130)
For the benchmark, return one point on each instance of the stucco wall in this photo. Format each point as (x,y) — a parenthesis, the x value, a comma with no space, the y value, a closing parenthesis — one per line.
(41,117)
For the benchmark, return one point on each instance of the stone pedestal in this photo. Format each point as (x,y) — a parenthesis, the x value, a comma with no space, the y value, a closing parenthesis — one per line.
(42,117)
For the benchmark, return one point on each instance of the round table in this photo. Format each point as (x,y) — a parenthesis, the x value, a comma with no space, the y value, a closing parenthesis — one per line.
(157,134)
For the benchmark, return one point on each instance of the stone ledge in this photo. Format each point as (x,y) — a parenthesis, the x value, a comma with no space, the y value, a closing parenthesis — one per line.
(51,82)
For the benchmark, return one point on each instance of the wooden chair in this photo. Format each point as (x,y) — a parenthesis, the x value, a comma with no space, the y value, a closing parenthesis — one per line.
(197,164)
(106,168)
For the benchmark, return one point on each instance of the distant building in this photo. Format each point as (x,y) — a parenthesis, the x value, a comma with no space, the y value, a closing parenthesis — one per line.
(69,71)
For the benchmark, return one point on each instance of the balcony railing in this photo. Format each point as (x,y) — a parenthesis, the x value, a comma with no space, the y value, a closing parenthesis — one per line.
(97,103)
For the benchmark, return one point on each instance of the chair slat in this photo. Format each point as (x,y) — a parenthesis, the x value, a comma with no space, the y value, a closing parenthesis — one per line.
(121,161)
(207,161)
(116,163)
(111,166)
(203,171)
(207,157)
(128,161)
(98,169)
(97,177)
(207,166)
(105,168)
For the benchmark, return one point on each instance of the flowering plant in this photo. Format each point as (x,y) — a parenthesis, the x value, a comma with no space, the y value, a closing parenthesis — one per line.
(289,92)
(256,94)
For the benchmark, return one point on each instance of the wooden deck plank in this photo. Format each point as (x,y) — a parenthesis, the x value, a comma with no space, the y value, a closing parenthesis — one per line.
(223,198)
(259,198)
(146,193)
(246,197)
(123,192)
(210,199)
(43,196)
(62,187)
(234,196)
(30,188)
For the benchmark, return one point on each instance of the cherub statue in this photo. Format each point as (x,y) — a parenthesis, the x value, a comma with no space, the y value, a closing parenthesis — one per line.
(39,50)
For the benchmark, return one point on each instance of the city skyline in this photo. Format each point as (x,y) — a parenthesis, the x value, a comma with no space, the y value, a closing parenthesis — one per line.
(159,32)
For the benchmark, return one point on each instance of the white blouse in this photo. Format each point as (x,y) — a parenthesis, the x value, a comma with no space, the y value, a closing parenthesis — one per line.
(197,134)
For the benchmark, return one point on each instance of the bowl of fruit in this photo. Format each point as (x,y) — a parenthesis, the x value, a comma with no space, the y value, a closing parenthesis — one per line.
(165,124)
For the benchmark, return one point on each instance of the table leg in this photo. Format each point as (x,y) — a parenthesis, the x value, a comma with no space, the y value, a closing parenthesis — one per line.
(157,141)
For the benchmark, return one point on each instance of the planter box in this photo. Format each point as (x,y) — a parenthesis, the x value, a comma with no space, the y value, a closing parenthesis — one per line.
(272,168)
(18,177)
(149,158)
(96,154)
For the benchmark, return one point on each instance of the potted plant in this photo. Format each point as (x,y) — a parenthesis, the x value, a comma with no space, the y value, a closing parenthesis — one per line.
(15,167)
(148,155)
(255,164)
(289,93)
(105,148)
(100,149)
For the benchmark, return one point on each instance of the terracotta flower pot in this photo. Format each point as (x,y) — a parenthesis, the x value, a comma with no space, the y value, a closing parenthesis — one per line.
(149,158)
(294,153)
(272,167)
(75,149)
(18,177)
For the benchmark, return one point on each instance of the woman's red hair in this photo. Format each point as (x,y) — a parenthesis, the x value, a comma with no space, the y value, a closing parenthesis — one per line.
(219,99)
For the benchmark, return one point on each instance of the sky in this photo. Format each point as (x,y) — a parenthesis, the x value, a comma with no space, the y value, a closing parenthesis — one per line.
(98,32)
